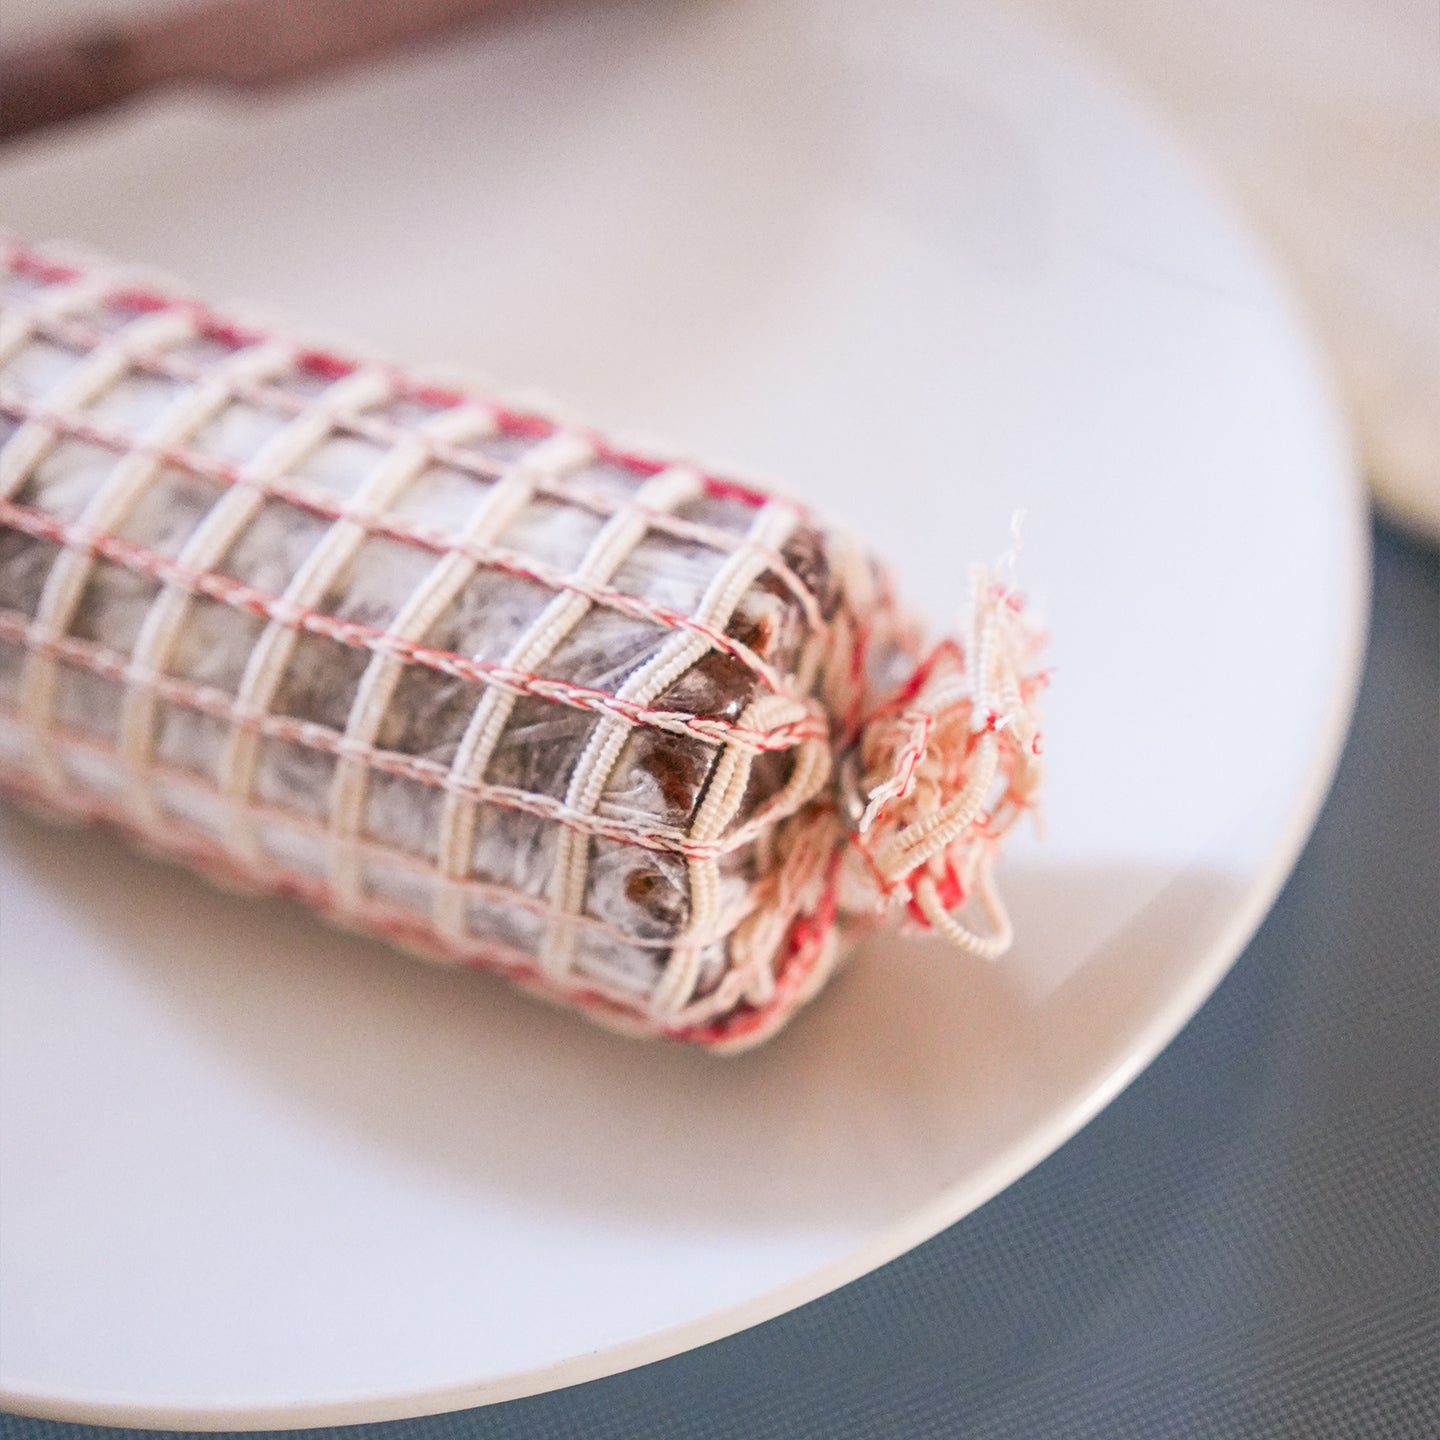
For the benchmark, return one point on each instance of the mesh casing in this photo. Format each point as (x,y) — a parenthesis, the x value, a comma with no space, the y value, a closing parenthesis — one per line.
(453,672)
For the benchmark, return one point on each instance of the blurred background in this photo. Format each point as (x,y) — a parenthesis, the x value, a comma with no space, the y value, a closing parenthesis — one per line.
(1322,116)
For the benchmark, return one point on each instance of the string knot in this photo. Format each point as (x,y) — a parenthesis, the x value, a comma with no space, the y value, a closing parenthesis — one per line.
(942,767)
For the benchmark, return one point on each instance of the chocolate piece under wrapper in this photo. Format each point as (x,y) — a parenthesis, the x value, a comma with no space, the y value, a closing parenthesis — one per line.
(643,738)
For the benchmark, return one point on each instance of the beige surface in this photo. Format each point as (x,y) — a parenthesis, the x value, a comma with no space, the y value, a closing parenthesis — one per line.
(1325,115)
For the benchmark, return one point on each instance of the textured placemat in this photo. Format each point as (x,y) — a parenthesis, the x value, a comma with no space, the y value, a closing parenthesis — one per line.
(1244,1244)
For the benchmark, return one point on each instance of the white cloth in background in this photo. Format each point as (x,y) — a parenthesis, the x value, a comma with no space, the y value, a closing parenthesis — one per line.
(1325,116)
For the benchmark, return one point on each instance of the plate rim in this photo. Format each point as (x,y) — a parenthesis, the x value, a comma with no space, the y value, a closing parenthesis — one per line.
(957,1200)
(1211,963)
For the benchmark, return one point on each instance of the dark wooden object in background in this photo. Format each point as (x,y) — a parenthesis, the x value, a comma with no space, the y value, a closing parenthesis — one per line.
(240,44)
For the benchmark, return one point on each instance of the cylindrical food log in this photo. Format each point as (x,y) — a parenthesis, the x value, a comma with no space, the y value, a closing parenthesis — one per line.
(642,737)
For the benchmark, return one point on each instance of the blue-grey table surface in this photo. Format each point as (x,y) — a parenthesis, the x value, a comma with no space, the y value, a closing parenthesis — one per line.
(1243,1244)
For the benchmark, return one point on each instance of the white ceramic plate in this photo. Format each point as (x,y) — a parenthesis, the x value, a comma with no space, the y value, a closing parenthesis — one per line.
(256,1173)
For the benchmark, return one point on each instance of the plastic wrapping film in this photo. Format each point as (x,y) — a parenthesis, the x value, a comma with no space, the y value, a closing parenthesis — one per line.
(471,678)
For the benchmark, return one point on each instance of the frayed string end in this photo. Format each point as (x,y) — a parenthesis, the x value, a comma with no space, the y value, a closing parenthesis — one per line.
(940,776)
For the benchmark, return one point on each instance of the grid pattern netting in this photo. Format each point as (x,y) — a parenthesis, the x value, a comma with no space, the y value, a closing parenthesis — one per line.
(474,679)
(453,672)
